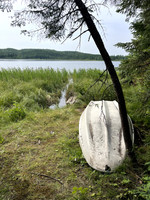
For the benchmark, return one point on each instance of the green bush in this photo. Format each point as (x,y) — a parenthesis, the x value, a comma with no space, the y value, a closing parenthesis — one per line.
(138,106)
(16,113)
(80,193)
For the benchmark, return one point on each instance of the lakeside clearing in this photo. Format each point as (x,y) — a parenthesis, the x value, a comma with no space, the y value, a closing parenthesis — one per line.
(40,156)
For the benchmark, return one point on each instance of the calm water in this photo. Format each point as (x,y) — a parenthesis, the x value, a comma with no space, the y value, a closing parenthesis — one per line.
(68,65)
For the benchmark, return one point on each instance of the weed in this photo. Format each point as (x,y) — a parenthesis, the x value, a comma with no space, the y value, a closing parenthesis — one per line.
(80,193)
(16,113)
(33,89)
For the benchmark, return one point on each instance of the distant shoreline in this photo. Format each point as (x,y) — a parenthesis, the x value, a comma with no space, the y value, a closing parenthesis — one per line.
(47,54)
(9,59)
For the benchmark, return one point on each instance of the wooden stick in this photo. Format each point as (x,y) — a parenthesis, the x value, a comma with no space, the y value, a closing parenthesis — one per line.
(46,176)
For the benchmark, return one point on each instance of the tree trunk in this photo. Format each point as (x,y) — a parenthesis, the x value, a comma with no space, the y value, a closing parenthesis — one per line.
(110,67)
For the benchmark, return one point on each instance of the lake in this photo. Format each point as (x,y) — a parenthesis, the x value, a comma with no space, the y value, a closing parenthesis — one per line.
(59,64)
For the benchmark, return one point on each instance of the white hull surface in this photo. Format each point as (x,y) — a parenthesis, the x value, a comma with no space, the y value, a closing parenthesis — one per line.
(101,136)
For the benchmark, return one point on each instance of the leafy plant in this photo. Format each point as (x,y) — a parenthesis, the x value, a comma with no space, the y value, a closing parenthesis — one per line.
(143,192)
(16,113)
(80,193)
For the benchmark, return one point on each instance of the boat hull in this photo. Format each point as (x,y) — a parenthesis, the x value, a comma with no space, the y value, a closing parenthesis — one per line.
(101,135)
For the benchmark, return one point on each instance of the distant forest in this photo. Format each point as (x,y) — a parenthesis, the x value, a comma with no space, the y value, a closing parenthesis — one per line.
(50,55)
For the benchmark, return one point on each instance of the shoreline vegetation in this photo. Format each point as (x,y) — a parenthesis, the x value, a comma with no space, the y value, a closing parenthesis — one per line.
(40,156)
(47,54)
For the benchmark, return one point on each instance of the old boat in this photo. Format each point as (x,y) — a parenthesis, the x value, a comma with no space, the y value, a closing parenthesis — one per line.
(101,136)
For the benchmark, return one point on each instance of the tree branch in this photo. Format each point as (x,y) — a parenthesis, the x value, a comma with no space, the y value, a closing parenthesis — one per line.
(96,80)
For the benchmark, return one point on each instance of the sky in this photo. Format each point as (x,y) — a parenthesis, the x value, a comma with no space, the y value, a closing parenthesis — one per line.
(115,29)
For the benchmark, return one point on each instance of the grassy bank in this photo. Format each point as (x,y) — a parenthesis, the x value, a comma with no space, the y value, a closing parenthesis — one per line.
(33,89)
(40,156)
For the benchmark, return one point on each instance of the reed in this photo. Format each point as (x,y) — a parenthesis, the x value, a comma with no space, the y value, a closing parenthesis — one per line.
(30,74)
(86,73)
(33,89)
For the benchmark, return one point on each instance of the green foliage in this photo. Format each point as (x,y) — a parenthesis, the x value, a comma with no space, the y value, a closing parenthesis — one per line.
(92,85)
(143,192)
(39,96)
(16,113)
(80,193)
(135,69)
(138,107)
(33,89)
(130,8)
(148,166)
(7,98)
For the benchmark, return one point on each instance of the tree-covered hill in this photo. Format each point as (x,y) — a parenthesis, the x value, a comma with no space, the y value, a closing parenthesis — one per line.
(50,55)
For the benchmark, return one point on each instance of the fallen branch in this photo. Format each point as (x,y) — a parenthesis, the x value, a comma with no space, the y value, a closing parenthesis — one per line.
(49,177)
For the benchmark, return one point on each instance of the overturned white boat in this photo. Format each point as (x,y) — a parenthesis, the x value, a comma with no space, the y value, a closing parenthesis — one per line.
(101,136)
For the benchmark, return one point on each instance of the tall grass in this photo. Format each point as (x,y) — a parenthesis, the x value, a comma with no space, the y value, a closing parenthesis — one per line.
(32,89)
(83,73)
(91,85)
(30,74)
(40,88)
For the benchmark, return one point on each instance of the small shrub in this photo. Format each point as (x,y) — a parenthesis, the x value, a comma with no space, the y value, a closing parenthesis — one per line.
(80,193)
(16,113)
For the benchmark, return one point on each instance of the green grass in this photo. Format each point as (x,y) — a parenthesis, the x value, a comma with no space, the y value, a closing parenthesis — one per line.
(40,156)
(33,89)
(91,85)
(41,159)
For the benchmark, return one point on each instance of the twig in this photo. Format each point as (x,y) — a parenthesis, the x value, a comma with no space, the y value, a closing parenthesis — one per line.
(49,177)
(106,90)
(96,80)
(81,34)
(103,82)
(138,178)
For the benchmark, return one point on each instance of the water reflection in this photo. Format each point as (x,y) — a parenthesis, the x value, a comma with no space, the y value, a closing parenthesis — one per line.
(62,101)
